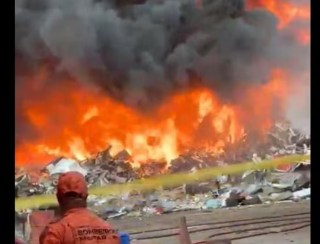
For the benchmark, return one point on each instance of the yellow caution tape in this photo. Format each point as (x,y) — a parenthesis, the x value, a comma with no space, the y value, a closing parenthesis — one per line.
(166,180)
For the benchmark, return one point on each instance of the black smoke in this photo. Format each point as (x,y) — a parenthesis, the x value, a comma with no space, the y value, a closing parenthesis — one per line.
(141,53)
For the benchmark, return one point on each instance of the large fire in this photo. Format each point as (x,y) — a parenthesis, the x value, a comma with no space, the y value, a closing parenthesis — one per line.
(76,122)
(79,123)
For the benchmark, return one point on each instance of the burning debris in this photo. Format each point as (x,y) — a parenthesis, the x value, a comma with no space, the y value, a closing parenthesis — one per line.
(105,169)
(255,187)
(160,87)
(192,85)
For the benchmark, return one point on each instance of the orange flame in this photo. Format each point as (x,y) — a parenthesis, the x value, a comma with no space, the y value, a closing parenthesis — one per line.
(78,123)
(286,11)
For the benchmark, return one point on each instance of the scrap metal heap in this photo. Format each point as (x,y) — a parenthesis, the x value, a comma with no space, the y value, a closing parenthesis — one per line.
(105,169)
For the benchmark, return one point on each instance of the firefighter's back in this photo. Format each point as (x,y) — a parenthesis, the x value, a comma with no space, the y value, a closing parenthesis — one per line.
(80,226)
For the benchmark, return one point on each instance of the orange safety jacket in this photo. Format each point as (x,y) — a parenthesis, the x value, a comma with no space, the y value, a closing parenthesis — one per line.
(79,226)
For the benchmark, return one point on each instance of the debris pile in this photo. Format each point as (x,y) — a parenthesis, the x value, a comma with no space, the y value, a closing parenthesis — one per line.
(253,188)
(250,188)
(105,169)
(282,140)
(270,188)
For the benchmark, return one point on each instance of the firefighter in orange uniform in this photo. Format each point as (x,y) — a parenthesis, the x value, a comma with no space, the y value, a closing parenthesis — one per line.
(77,225)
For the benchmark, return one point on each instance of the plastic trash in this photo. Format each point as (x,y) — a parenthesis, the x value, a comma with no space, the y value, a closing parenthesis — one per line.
(213,204)
(168,206)
(304,193)
(124,238)
(153,210)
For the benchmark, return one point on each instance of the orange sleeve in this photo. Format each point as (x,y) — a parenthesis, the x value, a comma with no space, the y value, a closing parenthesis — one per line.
(50,236)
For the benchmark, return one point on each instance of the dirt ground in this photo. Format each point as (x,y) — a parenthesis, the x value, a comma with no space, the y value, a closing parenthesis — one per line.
(300,236)
(281,223)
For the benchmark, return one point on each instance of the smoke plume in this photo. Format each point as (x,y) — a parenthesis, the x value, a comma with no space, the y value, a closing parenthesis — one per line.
(141,53)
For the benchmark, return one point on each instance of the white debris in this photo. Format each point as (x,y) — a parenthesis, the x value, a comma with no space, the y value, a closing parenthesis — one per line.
(223,179)
(256,159)
(65,165)
(304,193)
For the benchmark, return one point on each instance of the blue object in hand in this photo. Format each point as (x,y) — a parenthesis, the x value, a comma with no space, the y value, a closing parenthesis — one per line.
(124,238)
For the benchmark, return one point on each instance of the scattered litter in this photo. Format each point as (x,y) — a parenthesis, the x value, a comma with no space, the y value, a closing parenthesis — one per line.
(213,204)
